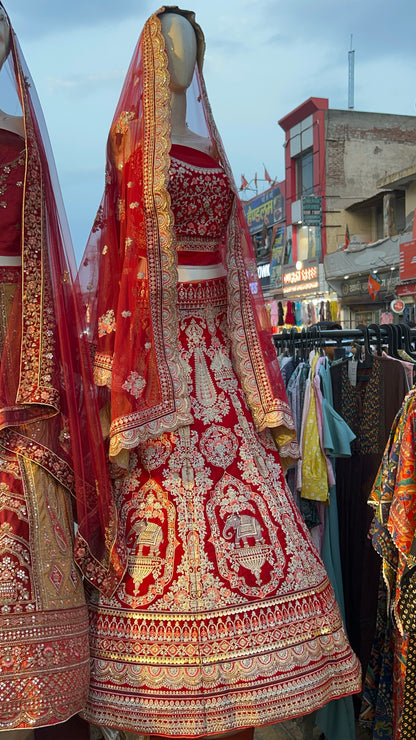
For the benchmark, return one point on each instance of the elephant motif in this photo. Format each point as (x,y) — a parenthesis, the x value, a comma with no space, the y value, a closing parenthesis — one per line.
(244,526)
(149,534)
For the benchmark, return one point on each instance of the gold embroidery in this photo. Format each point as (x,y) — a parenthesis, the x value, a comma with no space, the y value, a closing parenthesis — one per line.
(123,121)
(106,323)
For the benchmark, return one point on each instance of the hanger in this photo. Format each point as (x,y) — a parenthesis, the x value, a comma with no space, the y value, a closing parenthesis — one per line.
(367,360)
(377,331)
(407,340)
(391,340)
(399,340)
(292,343)
(303,346)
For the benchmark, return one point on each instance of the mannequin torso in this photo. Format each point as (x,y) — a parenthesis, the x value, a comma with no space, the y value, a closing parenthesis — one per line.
(12,123)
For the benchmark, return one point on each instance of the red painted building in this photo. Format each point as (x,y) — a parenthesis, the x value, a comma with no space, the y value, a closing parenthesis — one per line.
(305,176)
(336,214)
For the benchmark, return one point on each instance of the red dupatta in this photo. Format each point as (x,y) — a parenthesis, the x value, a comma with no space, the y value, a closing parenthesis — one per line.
(48,406)
(129,270)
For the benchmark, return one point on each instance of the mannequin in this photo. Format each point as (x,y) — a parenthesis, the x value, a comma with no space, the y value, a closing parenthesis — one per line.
(197,639)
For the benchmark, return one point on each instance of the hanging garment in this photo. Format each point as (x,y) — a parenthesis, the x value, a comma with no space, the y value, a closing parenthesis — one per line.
(313,482)
(192,496)
(298,313)
(388,691)
(290,317)
(369,409)
(274,315)
(336,719)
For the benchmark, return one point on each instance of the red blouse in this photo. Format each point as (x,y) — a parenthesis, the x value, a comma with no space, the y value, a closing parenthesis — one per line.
(201,201)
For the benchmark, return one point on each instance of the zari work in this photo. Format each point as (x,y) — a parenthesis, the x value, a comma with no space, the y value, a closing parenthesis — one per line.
(43,617)
(52,460)
(225,617)
(44,663)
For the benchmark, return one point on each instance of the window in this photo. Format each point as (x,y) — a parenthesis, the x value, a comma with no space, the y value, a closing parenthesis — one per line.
(309,243)
(288,252)
(301,136)
(304,174)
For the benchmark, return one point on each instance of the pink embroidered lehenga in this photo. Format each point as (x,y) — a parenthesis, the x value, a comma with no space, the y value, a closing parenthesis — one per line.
(225,617)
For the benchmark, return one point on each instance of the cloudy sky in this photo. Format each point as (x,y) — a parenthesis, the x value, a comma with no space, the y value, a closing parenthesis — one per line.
(263,59)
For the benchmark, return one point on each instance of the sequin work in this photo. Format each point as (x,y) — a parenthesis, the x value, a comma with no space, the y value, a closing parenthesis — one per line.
(225,617)
(44,668)
(44,652)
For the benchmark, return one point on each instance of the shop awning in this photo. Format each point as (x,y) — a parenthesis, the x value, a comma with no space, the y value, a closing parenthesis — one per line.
(347,270)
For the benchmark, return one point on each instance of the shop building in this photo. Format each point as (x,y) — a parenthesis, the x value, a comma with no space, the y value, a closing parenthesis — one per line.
(400,187)
(335,211)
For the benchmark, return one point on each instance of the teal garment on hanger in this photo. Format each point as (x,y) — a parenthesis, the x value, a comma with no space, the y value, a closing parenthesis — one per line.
(336,719)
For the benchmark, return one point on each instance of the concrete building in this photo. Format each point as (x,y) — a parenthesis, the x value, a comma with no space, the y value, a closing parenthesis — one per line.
(342,210)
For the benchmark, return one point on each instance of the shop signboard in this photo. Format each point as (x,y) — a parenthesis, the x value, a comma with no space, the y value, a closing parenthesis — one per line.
(298,282)
(265,209)
(278,240)
(356,287)
(408,260)
(263,272)
(406,289)
(311,210)
(397,306)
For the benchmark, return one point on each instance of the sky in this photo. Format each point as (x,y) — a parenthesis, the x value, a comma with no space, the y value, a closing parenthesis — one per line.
(263,59)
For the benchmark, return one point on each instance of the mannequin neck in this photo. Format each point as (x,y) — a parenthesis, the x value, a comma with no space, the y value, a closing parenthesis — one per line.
(178,114)
(180,133)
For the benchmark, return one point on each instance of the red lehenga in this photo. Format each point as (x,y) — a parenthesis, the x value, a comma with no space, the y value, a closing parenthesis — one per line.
(225,617)
(45,422)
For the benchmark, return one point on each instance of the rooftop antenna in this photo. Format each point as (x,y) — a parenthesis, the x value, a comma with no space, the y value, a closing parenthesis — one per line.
(351,77)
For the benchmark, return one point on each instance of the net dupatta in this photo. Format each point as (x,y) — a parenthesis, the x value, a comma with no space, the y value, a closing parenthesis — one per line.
(48,405)
(251,335)
(129,270)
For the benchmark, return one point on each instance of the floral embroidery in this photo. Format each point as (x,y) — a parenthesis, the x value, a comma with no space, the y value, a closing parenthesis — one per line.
(207,215)
(134,384)
(122,124)
(106,323)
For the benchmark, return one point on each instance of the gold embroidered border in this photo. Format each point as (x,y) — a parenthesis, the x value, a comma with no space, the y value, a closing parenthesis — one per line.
(38,321)
(267,410)
(18,444)
(44,667)
(175,409)
(245,693)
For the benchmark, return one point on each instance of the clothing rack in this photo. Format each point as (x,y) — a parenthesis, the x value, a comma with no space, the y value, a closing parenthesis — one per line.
(373,339)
